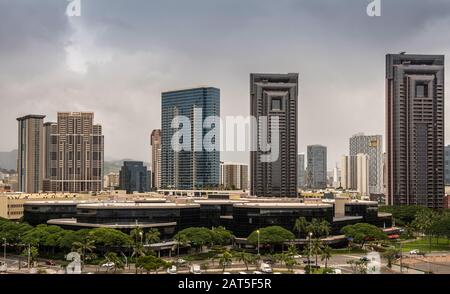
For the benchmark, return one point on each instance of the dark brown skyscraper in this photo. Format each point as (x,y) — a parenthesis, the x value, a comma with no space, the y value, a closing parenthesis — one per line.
(415,129)
(274,95)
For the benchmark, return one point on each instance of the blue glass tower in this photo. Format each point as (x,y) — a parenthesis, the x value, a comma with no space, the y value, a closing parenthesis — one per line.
(196,168)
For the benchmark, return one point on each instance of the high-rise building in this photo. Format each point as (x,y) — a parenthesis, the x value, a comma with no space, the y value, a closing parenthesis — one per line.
(233,176)
(447,165)
(74,154)
(193,167)
(30,159)
(362,173)
(349,172)
(111,181)
(316,171)
(134,177)
(336,177)
(155,142)
(275,96)
(415,129)
(344,172)
(301,170)
(373,147)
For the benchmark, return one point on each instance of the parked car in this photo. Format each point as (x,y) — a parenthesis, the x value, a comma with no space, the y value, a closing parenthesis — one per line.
(108,264)
(172,270)
(181,261)
(336,271)
(414,252)
(265,268)
(226,273)
(364,258)
(50,262)
(257,273)
(298,256)
(195,269)
(308,261)
(242,273)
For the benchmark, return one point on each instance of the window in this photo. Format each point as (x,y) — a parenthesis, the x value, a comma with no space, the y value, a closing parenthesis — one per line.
(276,104)
(421,90)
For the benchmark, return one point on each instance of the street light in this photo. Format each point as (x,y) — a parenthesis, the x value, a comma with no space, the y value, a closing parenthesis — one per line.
(257,232)
(309,252)
(4,249)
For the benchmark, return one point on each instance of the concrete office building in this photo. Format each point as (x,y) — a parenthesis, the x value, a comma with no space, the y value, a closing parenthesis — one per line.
(30,158)
(134,177)
(190,169)
(111,181)
(275,96)
(373,147)
(74,153)
(155,142)
(362,174)
(233,176)
(301,170)
(415,129)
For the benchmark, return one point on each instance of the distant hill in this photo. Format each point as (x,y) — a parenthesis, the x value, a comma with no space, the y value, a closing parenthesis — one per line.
(115,165)
(8,160)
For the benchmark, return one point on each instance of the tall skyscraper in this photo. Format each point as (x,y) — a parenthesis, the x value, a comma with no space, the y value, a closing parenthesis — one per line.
(447,165)
(74,152)
(336,177)
(155,141)
(415,129)
(344,172)
(30,159)
(373,147)
(362,173)
(316,171)
(271,96)
(134,177)
(233,176)
(301,170)
(189,169)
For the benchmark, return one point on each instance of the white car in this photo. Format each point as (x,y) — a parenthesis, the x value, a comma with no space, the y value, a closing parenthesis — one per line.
(337,271)
(297,256)
(226,273)
(257,273)
(414,252)
(108,264)
(181,261)
(172,270)
(242,273)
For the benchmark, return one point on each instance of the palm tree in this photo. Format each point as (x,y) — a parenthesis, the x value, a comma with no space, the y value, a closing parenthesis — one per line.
(301,226)
(182,241)
(324,228)
(137,234)
(225,259)
(111,257)
(152,236)
(84,248)
(292,250)
(390,255)
(316,248)
(245,257)
(326,254)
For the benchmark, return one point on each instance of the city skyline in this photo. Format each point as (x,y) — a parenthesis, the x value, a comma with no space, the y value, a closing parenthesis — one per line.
(140,68)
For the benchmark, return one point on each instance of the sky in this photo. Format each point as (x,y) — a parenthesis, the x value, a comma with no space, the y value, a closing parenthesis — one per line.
(117,57)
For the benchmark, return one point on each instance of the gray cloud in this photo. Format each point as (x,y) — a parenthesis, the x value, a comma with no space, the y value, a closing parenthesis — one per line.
(133,50)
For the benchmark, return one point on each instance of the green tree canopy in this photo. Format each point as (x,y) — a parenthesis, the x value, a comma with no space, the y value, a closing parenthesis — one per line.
(221,236)
(110,237)
(362,233)
(43,235)
(197,237)
(274,235)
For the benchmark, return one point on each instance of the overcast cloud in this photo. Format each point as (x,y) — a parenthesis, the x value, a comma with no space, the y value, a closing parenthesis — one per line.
(118,56)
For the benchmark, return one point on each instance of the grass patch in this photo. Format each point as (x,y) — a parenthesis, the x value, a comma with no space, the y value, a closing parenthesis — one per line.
(423,245)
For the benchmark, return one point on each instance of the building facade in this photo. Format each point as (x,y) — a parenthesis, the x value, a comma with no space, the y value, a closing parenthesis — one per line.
(233,176)
(155,142)
(301,170)
(74,153)
(193,167)
(447,165)
(275,96)
(362,173)
(111,181)
(134,177)
(373,147)
(415,129)
(316,170)
(30,157)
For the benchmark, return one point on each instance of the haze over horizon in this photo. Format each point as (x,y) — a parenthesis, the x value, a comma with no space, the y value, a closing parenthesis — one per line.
(118,56)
